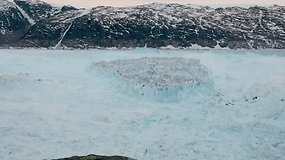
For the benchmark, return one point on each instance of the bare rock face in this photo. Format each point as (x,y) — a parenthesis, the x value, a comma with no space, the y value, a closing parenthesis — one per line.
(96,157)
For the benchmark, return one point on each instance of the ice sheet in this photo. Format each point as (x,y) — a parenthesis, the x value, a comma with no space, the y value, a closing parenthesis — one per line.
(56,106)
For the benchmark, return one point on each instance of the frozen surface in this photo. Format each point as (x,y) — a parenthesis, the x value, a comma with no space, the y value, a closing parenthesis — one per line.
(53,104)
(153,76)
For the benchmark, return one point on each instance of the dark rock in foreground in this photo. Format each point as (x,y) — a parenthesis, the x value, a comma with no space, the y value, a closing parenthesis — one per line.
(96,157)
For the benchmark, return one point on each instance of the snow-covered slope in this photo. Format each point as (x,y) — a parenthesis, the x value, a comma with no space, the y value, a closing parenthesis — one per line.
(13,24)
(6,5)
(37,9)
(154,25)
(31,21)
(50,32)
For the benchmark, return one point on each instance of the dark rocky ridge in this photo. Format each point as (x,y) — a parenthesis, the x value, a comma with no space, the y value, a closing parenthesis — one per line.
(36,9)
(153,25)
(13,25)
(96,157)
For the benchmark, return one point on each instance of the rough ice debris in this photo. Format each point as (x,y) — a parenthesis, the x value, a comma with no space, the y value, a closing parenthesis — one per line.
(7,79)
(160,75)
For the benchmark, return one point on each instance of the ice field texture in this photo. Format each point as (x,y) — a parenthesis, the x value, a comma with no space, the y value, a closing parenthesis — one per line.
(62,103)
(161,77)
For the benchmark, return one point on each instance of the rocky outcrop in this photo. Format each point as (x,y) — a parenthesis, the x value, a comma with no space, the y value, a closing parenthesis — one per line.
(13,25)
(37,9)
(96,157)
(153,25)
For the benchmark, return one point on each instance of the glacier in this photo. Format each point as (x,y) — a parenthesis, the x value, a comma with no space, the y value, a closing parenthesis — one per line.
(161,77)
(56,103)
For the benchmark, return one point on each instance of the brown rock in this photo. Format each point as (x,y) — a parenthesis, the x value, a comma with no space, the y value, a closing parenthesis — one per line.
(96,157)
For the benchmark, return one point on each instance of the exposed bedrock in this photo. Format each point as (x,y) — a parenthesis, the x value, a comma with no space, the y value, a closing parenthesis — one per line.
(96,157)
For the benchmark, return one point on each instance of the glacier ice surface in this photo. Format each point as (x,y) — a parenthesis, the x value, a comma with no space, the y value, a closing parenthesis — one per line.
(158,76)
(54,105)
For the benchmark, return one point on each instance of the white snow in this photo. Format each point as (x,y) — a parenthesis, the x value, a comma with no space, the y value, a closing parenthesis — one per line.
(73,15)
(198,47)
(84,12)
(5,5)
(3,31)
(58,45)
(31,21)
(54,104)
(260,20)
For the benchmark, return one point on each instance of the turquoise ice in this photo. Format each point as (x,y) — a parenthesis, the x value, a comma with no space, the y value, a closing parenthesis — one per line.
(55,104)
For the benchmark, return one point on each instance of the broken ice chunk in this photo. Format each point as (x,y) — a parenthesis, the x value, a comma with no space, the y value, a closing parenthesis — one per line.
(157,75)
(6,79)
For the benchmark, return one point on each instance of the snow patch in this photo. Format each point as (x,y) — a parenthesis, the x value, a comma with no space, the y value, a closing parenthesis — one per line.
(5,5)
(84,12)
(198,47)
(76,15)
(58,45)
(3,31)
(31,21)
